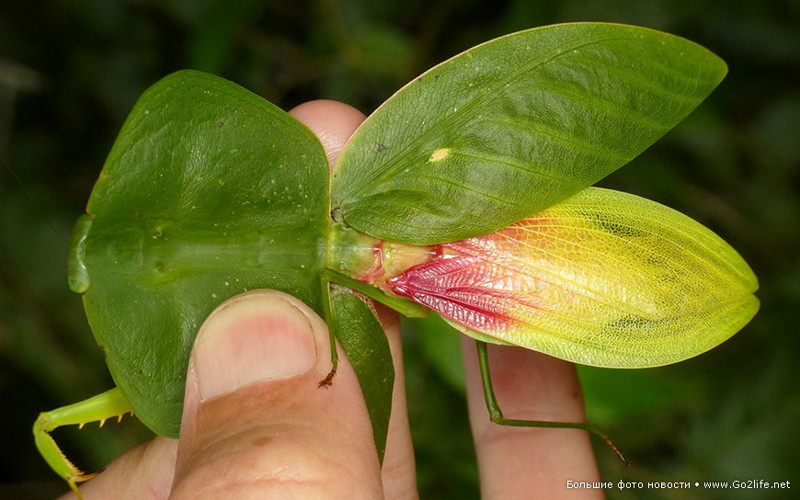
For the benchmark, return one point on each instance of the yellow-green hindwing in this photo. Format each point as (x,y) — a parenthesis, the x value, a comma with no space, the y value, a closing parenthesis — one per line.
(627,282)
(604,278)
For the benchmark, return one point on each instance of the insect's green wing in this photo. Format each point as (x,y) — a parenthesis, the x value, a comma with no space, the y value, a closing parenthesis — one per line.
(513,126)
(209,191)
(361,336)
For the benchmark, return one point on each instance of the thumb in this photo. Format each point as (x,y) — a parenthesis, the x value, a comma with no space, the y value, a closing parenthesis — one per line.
(256,425)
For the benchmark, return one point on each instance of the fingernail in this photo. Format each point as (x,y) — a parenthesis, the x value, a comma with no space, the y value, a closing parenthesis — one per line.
(255,337)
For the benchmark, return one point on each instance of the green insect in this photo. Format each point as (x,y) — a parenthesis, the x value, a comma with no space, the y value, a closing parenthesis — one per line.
(467,193)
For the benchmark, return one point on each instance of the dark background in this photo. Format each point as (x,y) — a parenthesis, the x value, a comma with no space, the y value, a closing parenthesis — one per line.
(71,70)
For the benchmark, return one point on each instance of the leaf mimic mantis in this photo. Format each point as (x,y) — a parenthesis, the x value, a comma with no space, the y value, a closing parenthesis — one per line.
(467,193)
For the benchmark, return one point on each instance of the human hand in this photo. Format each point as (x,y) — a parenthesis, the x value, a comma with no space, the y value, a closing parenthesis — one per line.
(255,425)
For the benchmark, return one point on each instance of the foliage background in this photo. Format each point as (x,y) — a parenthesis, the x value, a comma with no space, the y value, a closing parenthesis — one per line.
(71,70)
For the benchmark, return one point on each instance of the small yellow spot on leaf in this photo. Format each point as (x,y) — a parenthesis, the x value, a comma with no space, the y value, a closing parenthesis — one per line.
(439,154)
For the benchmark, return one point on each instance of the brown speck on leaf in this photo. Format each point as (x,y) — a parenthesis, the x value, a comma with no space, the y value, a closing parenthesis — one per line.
(220,124)
(382,148)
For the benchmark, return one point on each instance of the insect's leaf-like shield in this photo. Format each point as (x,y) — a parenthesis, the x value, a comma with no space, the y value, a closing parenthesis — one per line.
(208,192)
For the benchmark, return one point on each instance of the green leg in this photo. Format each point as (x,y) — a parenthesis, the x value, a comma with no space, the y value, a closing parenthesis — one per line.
(326,310)
(110,404)
(402,305)
(496,414)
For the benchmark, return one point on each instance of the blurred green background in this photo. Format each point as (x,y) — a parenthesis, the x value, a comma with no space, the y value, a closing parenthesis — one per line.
(71,70)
